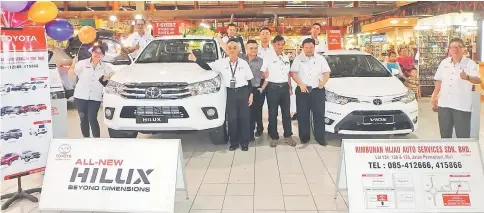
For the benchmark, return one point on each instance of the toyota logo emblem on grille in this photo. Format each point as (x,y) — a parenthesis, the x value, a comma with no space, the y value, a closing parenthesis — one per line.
(377,102)
(153,92)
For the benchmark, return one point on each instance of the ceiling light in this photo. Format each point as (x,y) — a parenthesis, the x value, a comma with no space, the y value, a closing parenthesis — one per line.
(138,17)
(405,22)
(204,25)
(394,21)
(113,18)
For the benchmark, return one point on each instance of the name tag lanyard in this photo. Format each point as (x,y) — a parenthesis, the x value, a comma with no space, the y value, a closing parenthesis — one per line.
(232,70)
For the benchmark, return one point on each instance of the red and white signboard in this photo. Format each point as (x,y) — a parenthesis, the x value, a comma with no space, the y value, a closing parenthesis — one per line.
(412,176)
(165,28)
(334,39)
(26,128)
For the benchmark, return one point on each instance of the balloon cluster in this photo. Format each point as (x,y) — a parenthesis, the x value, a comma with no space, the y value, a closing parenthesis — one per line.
(23,13)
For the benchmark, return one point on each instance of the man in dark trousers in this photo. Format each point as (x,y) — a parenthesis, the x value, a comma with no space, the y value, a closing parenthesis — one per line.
(236,76)
(311,72)
(278,84)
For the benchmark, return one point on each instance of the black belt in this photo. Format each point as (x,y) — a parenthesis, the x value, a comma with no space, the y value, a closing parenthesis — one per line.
(237,88)
(283,84)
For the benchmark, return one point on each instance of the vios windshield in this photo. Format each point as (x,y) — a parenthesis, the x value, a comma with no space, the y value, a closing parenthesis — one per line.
(356,66)
(177,51)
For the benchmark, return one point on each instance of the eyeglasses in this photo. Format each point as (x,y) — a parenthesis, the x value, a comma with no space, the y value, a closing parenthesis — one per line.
(456,47)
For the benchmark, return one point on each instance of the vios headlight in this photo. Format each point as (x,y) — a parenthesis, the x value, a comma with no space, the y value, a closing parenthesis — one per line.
(407,98)
(338,99)
(206,87)
(114,87)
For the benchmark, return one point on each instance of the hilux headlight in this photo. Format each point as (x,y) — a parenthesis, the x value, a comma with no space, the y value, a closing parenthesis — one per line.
(206,87)
(114,87)
(338,99)
(407,98)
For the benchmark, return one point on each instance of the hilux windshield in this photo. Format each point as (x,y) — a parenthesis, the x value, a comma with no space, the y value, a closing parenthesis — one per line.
(177,51)
(356,66)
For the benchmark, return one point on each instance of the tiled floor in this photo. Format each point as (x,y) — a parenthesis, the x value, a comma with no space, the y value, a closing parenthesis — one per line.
(262,180)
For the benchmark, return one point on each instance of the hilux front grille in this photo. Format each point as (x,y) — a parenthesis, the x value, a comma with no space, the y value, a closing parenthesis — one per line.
(168,111)
(162,90)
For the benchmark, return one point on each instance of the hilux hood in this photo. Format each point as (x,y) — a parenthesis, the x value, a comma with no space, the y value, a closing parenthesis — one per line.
(163,72)
(366,86)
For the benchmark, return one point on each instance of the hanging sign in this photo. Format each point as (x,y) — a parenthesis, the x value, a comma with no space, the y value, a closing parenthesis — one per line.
(165,28)
(334,39)
(25,106)
(96,174)
(415,176)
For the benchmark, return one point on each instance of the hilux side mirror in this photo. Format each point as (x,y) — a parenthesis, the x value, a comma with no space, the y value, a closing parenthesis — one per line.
(121,62)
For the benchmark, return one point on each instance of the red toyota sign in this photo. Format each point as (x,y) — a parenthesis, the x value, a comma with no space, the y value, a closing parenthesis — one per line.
(165,28)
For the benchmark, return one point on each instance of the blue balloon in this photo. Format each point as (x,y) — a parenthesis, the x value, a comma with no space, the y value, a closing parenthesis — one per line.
(59,29)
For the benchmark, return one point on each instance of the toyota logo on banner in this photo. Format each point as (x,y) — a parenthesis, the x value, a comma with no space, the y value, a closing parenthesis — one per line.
(153,92)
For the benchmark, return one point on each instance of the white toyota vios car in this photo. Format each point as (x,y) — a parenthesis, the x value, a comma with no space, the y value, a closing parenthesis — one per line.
(162,91)
(364,98)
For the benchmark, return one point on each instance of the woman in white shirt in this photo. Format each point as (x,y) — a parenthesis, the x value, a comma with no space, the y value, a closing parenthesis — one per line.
(89,90)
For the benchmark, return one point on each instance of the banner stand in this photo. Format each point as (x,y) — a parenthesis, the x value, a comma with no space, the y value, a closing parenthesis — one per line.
(20,194)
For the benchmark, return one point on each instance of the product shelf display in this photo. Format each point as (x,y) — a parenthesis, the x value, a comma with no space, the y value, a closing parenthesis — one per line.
(434,35)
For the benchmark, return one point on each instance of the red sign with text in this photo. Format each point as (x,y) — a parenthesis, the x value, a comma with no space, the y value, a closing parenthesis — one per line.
(334,39)
(165,28)
(29,39)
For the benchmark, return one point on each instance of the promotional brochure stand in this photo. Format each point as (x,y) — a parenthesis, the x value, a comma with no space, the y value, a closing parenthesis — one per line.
(20,194)
(412,176)
(26,112)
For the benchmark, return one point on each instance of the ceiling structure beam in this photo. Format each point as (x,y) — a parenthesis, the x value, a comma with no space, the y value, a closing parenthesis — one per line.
(239,13)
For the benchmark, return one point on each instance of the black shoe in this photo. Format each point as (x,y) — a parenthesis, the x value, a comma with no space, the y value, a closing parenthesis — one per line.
(233,147)
(245,148)
(294,117)
(304,142)
(258,134)
(323,143)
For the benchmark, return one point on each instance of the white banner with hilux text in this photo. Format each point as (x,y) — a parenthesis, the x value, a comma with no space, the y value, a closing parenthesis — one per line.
(113,175)
(26,129)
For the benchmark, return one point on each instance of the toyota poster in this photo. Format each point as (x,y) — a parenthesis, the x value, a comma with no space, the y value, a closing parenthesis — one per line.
(26,127)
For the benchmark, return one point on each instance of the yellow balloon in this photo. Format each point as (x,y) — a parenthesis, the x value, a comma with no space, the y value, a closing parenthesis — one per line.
(87,34)
(43,12)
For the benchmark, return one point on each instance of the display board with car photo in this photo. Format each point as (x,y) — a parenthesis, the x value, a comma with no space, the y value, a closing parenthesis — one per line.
(25,113)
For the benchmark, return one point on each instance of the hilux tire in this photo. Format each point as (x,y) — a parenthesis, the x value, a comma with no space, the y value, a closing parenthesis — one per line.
(219,135)
(122,134)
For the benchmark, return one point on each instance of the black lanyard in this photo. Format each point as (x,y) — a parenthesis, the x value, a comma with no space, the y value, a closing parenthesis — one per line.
(233,70)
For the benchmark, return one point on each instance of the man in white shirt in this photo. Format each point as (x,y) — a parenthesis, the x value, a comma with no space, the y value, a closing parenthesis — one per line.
(452,95)
(231,34)
(321,44)
(139,39)
(265,49)
(236,75)
(311,72)
(278,84)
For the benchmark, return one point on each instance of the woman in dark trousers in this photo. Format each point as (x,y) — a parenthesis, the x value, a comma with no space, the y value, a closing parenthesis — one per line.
(88,93)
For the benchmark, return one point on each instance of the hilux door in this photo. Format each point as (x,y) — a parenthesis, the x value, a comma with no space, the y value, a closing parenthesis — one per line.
(117,57)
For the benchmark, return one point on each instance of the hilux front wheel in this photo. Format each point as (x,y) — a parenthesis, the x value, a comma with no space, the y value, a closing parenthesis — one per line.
(219,135)
(122,133)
